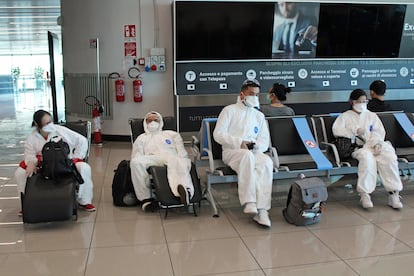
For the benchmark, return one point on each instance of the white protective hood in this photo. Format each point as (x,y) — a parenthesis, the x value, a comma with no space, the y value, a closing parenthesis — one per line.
(145,121)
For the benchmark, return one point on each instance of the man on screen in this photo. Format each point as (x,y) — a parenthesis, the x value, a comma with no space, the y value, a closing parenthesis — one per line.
(294,32)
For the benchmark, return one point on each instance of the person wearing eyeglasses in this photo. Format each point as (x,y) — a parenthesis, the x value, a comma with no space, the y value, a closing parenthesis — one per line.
(276,96)
(374,153)
(242,131)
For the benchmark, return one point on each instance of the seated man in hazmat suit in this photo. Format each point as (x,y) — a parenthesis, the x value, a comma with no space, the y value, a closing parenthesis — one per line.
(242,131)
(157,147)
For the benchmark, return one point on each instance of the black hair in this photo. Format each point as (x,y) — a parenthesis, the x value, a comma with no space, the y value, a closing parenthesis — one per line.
(280,91)
(37,117)
(249,83)
(378,87)
(356,94)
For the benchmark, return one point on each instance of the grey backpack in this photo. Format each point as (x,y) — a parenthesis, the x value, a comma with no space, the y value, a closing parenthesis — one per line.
(305,201)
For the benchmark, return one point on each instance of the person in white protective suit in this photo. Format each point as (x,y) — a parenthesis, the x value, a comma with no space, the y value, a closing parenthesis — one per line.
(157,147)
(243,132)
(45,131)
(365,128)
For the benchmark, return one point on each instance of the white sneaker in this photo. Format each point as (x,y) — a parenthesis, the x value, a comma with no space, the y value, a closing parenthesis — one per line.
(394,200)
(250,208)
(262,218)
(366,201)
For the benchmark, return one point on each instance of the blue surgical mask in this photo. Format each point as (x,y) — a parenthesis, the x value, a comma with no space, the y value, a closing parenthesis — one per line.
(269,100)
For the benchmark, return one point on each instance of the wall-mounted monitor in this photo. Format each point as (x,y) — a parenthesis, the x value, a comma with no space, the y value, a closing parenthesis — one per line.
(321,50)
(360,30)
(223,30)
(308,46)
(276,30)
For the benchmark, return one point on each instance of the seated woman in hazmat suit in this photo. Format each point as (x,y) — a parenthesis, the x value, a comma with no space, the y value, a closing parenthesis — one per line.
(157,147)
(373,154)
(43,131)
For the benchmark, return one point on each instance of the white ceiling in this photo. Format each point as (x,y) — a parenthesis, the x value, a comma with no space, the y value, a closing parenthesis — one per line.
(24,25)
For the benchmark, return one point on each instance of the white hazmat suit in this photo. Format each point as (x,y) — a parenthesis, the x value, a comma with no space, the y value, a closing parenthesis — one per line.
(78,145)
(159,148)
(369,127)
(237,123)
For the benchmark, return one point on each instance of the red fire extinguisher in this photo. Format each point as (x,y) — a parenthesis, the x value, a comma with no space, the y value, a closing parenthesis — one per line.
(120,90)
(137,86)
(97,109)
(119,86)
(96,117)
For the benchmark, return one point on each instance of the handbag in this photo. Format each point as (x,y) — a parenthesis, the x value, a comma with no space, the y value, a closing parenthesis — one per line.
(345,147)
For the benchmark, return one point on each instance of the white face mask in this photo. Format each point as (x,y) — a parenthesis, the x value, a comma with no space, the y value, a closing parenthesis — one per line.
(49,128)
(360,107)
(153,126)
(251,101)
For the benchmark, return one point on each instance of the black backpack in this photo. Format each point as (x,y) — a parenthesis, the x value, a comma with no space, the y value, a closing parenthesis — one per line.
(305,202)
(123,193)
(55,161)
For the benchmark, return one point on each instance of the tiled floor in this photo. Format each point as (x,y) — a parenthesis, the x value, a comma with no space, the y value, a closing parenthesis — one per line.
(126,241)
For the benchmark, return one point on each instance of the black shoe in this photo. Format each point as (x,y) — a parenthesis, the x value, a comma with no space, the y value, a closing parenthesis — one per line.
(184,196)
(149,205)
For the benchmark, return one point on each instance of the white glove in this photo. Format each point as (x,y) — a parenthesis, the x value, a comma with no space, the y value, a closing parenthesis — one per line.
(360,131)
(377,149)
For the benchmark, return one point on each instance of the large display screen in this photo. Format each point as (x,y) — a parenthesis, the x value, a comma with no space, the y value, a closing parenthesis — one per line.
(286,30)
(321,50)
(360,30)
(223,30)
(307,46)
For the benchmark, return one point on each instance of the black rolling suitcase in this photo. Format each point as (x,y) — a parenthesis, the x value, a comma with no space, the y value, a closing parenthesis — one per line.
(47,200)
(163,192)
